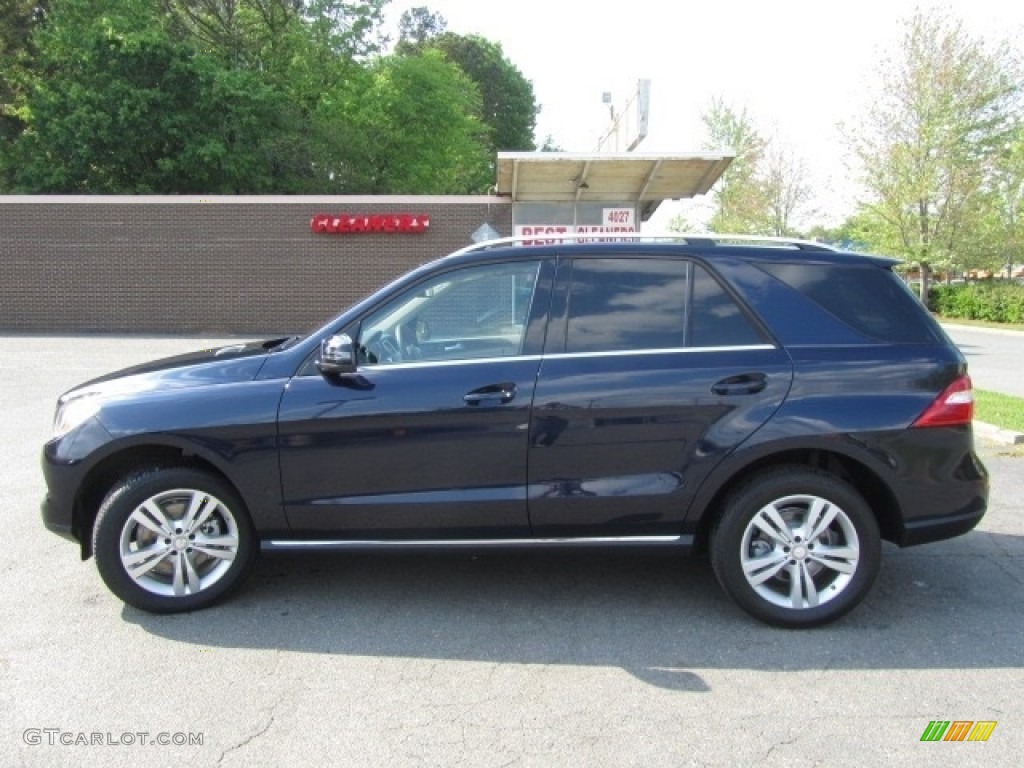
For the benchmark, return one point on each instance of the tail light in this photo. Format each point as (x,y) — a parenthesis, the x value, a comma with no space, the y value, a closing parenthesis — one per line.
(954,407)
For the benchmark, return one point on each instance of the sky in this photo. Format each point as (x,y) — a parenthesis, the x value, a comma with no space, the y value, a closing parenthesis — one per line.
(800,68)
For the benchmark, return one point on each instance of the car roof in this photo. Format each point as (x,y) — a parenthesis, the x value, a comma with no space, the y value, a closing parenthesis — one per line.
(706,246)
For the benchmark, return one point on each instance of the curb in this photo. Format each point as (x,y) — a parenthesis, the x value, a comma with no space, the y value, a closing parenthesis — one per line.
(998,434)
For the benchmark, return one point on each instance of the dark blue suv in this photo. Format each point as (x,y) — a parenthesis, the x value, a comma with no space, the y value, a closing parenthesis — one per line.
(779,404)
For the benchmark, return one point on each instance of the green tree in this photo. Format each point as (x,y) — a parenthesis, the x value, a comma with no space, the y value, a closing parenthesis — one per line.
(738,198)
(17,52)
(996,233)
(943,110)
(856,233)
(264,34)
(416,26)
(125,109)
(410,125)
(305,51)
(350,29)
(508,105)
(785,188)
(240,96)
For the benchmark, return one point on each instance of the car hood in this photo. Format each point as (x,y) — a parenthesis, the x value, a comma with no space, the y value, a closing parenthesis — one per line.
(217,365)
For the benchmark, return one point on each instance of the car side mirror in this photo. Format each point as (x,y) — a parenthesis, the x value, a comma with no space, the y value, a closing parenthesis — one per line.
(337,355)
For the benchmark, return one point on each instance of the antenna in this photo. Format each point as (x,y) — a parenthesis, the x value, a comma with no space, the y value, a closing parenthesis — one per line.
(628,125)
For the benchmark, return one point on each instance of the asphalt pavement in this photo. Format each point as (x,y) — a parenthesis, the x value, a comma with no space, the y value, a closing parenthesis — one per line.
(995,361)
(528,659)
(995,357)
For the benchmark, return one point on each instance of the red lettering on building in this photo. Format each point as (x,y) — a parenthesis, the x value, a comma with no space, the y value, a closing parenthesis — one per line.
(543,230)
(344,223)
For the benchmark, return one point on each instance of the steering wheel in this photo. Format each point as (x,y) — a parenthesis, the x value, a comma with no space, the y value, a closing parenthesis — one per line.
(405,335)
(383,348)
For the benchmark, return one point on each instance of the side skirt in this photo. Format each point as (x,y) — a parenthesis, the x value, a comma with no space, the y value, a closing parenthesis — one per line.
(291,545)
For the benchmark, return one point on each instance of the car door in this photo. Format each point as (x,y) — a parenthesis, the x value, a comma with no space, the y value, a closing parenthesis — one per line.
(428,438)
(652,374)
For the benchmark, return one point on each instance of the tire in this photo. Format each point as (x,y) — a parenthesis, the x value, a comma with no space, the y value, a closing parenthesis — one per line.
(152,558)
(776,557)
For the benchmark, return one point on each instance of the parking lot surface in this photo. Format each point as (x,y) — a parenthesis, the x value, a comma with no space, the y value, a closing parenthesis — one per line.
(995,357)
(488,659)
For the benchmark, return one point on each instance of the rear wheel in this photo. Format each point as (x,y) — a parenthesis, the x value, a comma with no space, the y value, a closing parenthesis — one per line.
(796,547)
(169,540)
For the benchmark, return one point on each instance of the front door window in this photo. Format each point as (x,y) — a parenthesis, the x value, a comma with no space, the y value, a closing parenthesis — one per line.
(471,313)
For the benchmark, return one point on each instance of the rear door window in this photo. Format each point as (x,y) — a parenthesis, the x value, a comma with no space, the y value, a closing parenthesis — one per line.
(628,304)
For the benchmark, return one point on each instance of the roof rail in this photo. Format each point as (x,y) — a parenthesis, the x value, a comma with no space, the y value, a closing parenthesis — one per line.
(701,238)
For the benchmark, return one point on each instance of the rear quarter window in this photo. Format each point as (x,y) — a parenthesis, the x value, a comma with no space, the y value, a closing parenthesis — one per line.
(870,300)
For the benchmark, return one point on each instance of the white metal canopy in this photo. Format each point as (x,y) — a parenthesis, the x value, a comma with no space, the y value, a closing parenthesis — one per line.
(646,179)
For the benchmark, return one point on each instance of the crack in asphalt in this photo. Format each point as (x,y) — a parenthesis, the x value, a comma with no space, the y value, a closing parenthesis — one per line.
(272,708)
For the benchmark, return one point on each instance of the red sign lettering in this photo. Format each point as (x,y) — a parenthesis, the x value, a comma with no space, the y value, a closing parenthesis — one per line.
(525,231)
(344,223)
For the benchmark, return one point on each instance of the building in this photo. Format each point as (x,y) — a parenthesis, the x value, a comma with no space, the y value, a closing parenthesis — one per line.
(280,264)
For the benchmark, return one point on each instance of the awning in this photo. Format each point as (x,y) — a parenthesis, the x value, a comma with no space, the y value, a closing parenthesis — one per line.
(647,179)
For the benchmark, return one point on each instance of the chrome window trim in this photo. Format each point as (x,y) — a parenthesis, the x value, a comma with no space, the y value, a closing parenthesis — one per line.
(662,351)
(564,355)
(448,363)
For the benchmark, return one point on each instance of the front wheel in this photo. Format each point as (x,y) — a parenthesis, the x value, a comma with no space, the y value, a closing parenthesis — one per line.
(796,547)
(174,539)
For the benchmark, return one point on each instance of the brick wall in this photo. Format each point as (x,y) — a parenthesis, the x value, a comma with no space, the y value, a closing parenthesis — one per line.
(247,265)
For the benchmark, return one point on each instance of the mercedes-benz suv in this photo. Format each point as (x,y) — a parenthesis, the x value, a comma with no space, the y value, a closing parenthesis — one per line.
(781,405)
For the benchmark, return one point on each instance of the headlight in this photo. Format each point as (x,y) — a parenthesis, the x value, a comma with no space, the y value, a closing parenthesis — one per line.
(73,413)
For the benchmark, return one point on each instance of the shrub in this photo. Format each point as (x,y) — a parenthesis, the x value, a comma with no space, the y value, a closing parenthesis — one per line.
(997,302)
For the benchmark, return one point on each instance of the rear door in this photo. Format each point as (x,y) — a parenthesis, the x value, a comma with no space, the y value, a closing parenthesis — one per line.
(652,373)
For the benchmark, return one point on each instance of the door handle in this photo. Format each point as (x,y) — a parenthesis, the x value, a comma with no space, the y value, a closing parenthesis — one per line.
(503,393)
(742,384)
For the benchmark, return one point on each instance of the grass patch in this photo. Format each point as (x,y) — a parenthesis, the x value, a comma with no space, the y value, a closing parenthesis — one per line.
(1004,411)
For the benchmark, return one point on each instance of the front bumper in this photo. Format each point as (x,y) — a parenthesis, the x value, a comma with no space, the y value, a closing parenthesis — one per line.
(63,479)
(55,520)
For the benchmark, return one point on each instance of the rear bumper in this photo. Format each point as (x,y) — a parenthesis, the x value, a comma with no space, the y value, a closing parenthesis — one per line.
(927,530)
(943,486)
